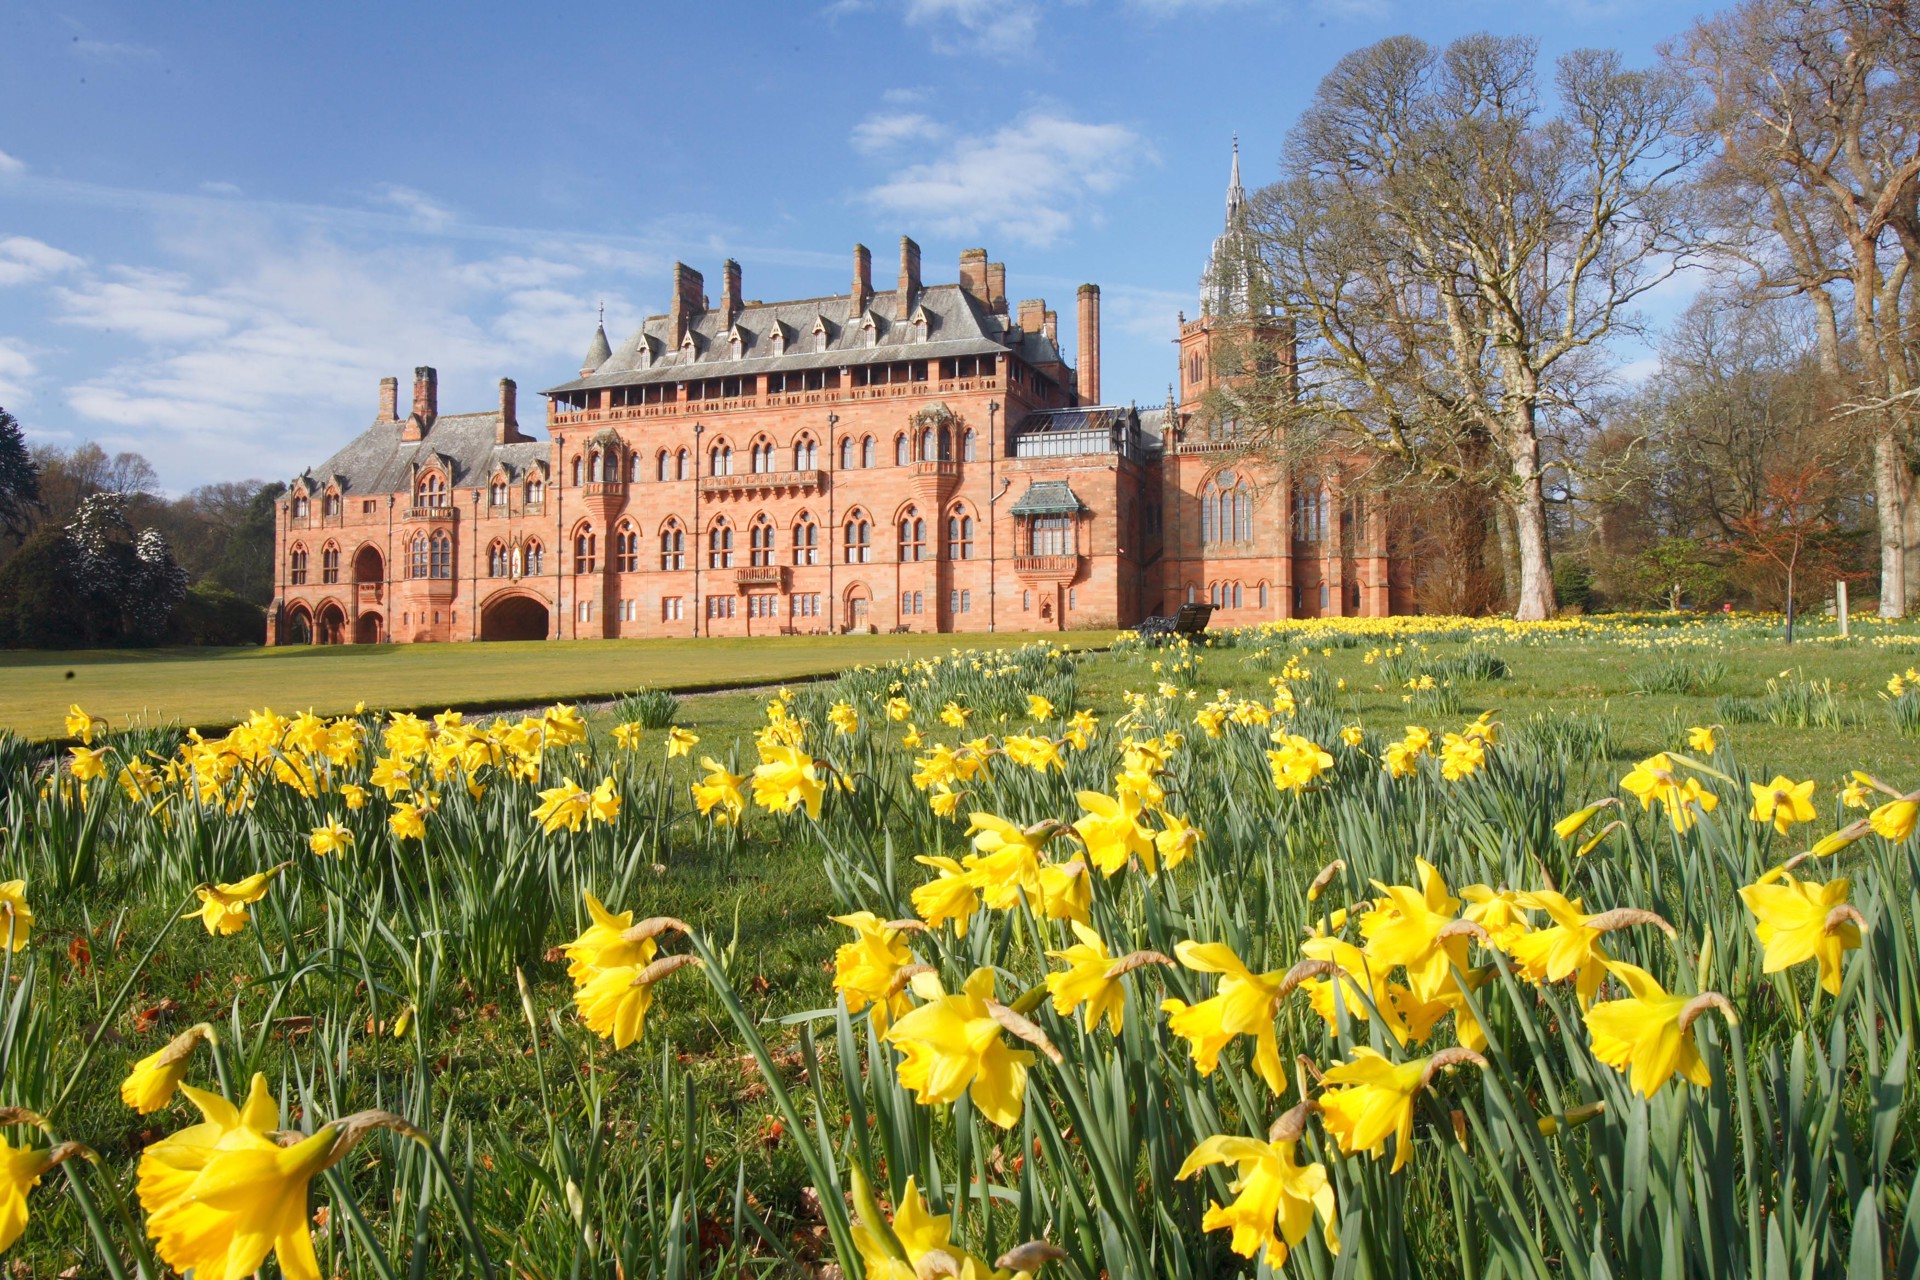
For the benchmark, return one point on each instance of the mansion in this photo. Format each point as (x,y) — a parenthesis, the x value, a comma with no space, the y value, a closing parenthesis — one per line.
(917,457)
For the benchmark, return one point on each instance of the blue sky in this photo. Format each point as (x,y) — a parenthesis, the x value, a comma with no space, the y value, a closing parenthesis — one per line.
(221,224)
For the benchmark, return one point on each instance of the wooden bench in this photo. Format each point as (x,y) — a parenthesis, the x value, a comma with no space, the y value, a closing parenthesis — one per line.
(1191,620)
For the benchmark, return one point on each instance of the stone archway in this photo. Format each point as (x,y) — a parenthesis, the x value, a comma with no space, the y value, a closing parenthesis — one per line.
(515,617)
(299,625)
(857,609)
(330,624)
(366,629)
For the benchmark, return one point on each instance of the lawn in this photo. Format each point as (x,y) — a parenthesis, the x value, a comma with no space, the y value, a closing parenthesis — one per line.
(581,1155)
(214,688)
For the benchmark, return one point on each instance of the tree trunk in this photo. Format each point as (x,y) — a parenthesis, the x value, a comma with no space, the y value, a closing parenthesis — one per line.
(1508,549)
(1533,597)
(1889,492)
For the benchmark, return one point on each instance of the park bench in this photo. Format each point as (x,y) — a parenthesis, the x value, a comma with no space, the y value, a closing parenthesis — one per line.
(1191,620)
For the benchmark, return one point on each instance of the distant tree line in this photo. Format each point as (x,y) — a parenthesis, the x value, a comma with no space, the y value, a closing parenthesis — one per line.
(93,555)
(1462,244)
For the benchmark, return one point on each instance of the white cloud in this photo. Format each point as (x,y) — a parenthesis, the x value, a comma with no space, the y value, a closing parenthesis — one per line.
(1004,29)
(23,260)
(16,367)
(418,206)
(1031,179)
(221,189)
(879,133)
(10,165)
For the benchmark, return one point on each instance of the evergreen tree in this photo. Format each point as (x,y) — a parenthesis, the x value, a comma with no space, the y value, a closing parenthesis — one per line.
(19,481)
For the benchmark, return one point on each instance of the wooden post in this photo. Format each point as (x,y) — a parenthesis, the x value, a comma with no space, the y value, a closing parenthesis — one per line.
(1840,605)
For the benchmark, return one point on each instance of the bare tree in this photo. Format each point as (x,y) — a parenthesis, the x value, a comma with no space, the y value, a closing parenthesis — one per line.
(1454,259)
(1813,107)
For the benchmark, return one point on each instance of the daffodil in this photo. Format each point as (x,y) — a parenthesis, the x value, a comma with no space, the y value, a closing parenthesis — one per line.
(952,895)
(246,1203)
(223,907)
(16,917)
(79,725)
(1275,1198)
(787,778)
(864,969)
(1646,1035)
(603,944)
(627,736)
(718,795)
(1700,738)
(1297,761)
(613,1003)
(1176,840)
(603,802)
(680,742)
(1683,799)
(1895,819)
(1801,920)
(1244,1004)
(332,837)
(1566,948)
(150,1084)
(1783,802)
(1370,1098)
(843,717)
(1408,929)
(562,806)
(21,1169)
(1039,707)
(168,1168)
(1087,981)
(1111,831)
(952,1045)
(408,821)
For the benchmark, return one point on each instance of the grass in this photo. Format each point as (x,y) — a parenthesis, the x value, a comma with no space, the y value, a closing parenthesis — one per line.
(213,688)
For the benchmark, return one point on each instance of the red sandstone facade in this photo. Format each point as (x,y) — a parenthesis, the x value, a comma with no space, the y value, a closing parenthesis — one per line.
(919,457)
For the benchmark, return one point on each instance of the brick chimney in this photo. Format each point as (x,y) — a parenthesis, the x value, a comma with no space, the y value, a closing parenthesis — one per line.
(997,287)
(909,275)
(426,403)
(1050,325)
(973,276)
(509,429)
(689,300)
(862,281)
(1033,313)
(729,293)
(1087,329)
(389,399)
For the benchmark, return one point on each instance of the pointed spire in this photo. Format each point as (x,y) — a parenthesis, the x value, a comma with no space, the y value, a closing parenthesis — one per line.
(1236,194)
(599,351)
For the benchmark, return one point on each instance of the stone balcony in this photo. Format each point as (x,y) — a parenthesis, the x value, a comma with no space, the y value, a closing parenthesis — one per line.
(1060,569)
(762,483)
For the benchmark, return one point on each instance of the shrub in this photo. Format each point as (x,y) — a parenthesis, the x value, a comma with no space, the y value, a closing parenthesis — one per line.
(210,614)
(649,708)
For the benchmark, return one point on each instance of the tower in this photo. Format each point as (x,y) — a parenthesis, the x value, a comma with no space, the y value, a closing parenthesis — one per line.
(1237,319)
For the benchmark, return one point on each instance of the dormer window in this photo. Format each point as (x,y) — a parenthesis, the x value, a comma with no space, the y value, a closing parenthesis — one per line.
(329,504)
(919,330)
(432,491)
(777,340)
(736,343)
(869,332)
(299,506)
(686,347)
(819,335)
(497,492)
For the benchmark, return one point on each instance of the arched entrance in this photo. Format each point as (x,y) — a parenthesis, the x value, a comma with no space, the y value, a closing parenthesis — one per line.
(331,623)
(514,617)
(299,626)
(857,606)
(367,629)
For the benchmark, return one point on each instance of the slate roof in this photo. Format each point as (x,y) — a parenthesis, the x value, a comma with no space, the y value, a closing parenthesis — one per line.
(956,325)
(379,461)
(598,351)
(1048,498)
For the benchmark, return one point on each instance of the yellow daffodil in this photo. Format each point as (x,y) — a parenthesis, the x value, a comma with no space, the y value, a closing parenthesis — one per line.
(1895,819)
(954,715)
(247,1202)
(1683,799)
(1275,1199)
(1644,1035)
(150,1084)
(1700,738)
(898,709)
(627,736)
(1370,1098)
(1854,794)
(865,968)
(953,895)
(603,803)
(1801,920)
(408,821)
(1176,839)
(602,943)
(1566,948)
(1574,823)
(787,778)
(680,742)
(1783,802)
(562,806)
(613,1003)
(355,795)
(333,837)
(79,725)
(87,763)
(1297,762)
(1085,981)
(843,717)
(1038,707)
(718,795)
(223,907)
(16,917)
(21,1169)
(1244,1004)
(1352,735)
(952,1045)
(1035,753)
(1406,930)
(1111,831)
(1498,911)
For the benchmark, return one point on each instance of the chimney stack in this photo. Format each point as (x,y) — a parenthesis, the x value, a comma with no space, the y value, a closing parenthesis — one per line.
(862,281)
(1050,325)
(997,288)
(973,277)
(729,293)
(1087,328)
(389,399)
(909,275)
(509,428)
(426,394)
(1032,314)
(689,300)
